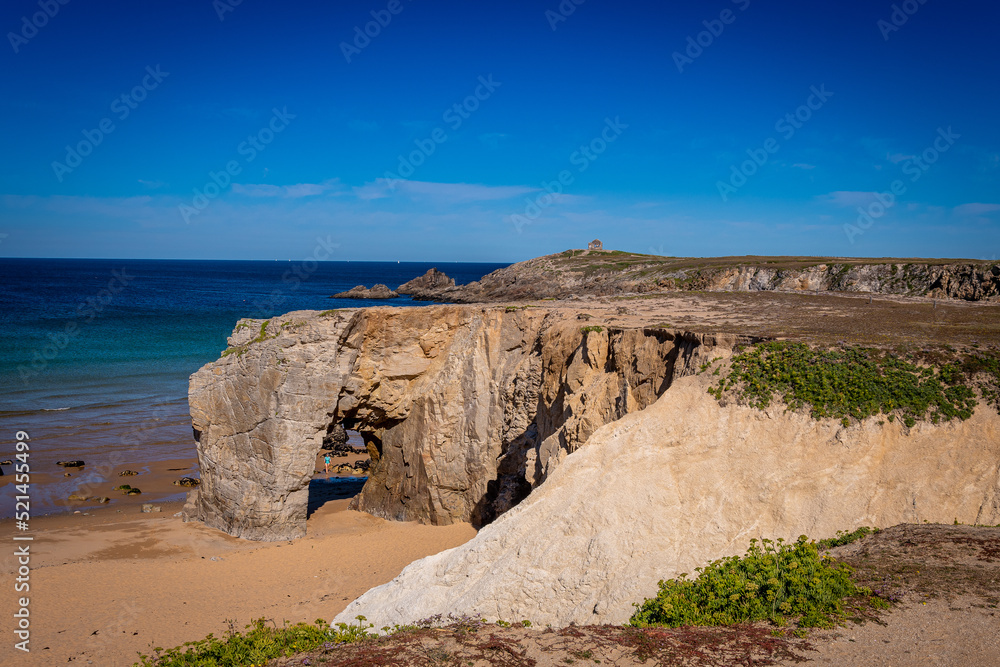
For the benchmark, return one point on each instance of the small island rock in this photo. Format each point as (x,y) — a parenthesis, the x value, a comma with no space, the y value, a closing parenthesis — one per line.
(378,291)
(427,285)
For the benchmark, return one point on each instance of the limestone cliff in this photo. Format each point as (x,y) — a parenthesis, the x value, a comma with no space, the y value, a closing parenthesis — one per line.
(465,409)
(603,273)
(682,483)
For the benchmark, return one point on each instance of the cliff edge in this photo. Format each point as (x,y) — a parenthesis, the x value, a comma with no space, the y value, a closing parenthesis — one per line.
(576,273)
(464,409)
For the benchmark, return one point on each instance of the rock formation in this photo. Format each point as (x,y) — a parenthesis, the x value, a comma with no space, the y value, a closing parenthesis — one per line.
(685,482)
(336,437)
(427,285)
(378,291)
(577,272)
(463,409)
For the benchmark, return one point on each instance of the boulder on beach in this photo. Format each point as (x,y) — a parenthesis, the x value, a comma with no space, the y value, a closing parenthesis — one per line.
(336,438)
(127,473)
(187,481)
(378,291)
(70,464)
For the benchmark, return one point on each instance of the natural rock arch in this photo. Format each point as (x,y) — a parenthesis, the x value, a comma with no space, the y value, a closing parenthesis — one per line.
(465,408)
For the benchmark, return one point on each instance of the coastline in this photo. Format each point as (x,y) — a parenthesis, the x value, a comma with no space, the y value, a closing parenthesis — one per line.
(109,585)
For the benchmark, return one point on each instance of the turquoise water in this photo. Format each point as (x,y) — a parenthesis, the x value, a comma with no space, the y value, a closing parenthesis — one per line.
(95,355)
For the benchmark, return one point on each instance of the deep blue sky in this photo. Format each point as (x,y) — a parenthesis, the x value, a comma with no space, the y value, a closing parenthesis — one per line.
(654,189)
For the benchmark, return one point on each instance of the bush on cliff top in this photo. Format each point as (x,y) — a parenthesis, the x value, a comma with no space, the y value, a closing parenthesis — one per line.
(859,382)
(774,581)
(261,643)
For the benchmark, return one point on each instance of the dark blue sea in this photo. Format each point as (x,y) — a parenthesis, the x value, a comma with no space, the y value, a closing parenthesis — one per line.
(95,355)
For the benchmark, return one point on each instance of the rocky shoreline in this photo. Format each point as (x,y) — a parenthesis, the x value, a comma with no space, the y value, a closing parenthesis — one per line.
(580,435)
(578,273)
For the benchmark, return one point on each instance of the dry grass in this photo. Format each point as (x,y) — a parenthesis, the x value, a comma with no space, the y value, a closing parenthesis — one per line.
(904,563)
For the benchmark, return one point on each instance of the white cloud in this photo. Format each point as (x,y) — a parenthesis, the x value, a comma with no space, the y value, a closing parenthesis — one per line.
(976,209)
(287,191)
(848,198)
(442,192)
(896,158)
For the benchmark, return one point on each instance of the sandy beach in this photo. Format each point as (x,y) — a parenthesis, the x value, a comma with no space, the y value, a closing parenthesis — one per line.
(111,583)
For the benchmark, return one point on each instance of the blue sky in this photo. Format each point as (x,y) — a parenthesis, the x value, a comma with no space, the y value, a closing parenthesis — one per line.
(665,123)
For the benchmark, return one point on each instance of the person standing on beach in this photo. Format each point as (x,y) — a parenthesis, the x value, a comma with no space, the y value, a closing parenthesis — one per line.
(326,464)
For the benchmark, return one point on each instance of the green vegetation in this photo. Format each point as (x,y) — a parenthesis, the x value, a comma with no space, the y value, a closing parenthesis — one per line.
(263,332)
(261,642)
(774,581)
(591,328)
(843,537)
(262,336)
(855,383)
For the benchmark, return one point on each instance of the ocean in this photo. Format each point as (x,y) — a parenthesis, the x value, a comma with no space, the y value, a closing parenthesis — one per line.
(95,355)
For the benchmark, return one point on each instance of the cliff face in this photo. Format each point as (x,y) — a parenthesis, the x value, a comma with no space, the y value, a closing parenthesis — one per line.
(682,483)
(969,282)
(603,273)
(464,409)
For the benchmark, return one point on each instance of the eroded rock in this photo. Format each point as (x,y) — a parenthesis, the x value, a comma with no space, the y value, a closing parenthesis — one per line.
(463,409)
(427,286)
(378,291)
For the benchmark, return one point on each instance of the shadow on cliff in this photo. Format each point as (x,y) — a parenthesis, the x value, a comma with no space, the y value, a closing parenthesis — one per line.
(522,458)
(322,491)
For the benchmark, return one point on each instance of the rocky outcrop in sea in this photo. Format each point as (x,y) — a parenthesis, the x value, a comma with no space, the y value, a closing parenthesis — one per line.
(378,291)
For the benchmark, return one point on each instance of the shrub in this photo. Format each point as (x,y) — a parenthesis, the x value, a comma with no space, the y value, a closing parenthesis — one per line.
(851,383)
(261,642)
(773,581)
(843,537)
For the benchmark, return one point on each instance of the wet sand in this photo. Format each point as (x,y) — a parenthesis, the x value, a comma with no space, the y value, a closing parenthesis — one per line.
(50,489)
(113,582)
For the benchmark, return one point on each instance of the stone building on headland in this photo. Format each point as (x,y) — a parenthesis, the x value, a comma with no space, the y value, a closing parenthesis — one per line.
(595,245)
